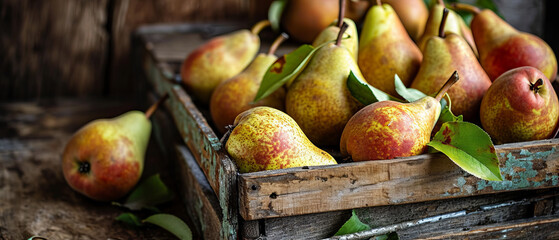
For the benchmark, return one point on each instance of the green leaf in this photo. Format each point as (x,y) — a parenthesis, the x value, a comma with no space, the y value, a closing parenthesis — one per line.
(446,113)
(130,219)
(150,192)
(275,12)
(172,224)
(410,94)
(470,148)
(284,69)
(364,92)
(352,225)
(390,236)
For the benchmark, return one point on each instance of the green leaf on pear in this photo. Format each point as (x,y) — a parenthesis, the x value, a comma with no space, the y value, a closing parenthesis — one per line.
(409,94)
(284,69)
(352,225)
(364,92)
(150,192)
(467,145)
(275,12)
(129,219)
(172,224)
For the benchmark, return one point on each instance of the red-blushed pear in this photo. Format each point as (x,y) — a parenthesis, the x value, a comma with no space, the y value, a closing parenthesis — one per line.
(104,159)
(264,138)
(521,105)
(303,20)
(502,47)
(445,53)
(236,95)
(386,49)
(219,59)
(389,129)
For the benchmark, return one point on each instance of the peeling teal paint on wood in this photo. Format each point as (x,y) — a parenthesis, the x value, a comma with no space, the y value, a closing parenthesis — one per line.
(519,171)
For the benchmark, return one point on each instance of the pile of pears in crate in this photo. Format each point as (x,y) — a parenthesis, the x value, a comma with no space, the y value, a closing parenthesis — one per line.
(404,82)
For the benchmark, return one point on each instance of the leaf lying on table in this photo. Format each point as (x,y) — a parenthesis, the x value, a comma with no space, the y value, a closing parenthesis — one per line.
(364,92)
(467,145)
(130,219)
(168,222)
(149,193)
(172,224)
(284,69)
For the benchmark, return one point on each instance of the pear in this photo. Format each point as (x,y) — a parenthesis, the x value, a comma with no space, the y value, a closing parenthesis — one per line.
(521,105)
(318,99)
(303,20)
(454,23)
(445,53)
(264,138)
(386,49)
(412,13)
(389,129)
(104,159)
(502,47)
(235,95)
(219,59)
(350,41)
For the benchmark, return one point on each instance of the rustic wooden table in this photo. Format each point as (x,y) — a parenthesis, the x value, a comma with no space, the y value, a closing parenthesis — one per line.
(35,200)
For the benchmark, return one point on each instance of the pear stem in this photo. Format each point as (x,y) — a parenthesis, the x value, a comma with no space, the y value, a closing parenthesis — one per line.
(259,26)
(441,2)
(154,107)
(341,33)
(341,13)
(536,86)
(451,81)
(279,40)
(466,7)
(379,2)
(443,23)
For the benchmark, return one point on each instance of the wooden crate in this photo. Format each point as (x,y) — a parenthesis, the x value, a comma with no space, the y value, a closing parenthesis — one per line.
(424,196)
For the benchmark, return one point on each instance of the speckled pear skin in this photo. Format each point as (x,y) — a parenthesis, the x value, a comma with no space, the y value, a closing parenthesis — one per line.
(318,99)
(389,129)
(501,47)
(236,95)
(218,60)
(265,138)
(350,40)
(454,24)
(386,49)
(513,111)
(444,55)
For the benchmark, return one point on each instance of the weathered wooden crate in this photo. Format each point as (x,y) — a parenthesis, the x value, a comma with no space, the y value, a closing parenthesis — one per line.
(424,196)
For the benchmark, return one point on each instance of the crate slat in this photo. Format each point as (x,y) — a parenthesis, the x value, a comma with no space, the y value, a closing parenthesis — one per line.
(288,192)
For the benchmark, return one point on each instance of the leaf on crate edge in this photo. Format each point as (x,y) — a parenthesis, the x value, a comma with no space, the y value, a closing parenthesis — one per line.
(471,148)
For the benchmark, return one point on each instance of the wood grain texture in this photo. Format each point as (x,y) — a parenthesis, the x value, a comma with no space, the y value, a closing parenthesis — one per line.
(426,177)
(130,14)
(201,140)
(52,48)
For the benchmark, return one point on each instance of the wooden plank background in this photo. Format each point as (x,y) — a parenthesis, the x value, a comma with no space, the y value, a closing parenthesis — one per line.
(82,48)
(71,48)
